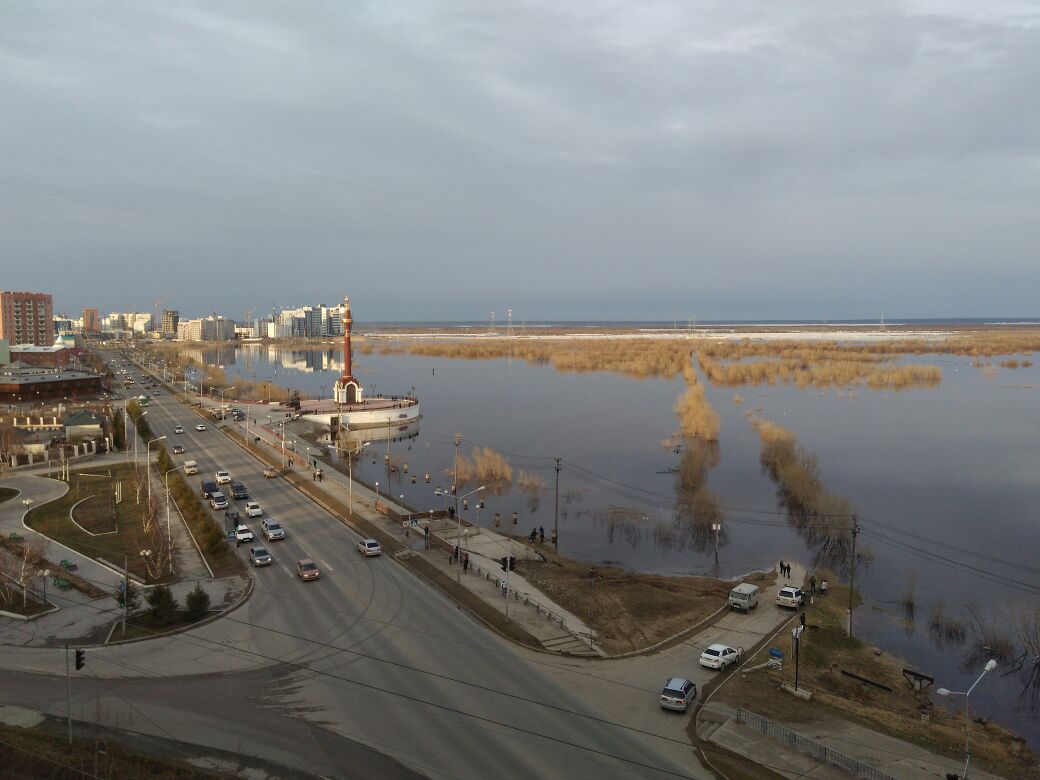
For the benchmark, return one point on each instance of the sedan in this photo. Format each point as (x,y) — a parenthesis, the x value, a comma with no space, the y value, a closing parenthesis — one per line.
(271,529)
(178,449)
(178,429)
(259,556)
(270,472)
(200,427)
(677,694)
(253,509)
(368,547)
(243,534)
(720,656)
(307,569)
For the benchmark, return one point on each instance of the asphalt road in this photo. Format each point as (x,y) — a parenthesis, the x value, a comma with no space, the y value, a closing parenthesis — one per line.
(368,654)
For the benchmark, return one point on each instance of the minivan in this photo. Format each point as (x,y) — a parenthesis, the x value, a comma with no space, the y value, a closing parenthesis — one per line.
(744,596)
(191,467)
(217,500)
(238,491)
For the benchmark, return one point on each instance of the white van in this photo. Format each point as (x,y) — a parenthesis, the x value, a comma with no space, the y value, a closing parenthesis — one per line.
(191,467)
(744,596)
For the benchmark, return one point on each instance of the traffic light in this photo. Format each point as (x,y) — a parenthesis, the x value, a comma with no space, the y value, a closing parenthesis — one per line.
(505,564)
(81,659)
(512,563)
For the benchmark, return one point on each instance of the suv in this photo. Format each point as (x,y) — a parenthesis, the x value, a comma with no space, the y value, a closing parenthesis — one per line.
(217,500)
(209,487)
(223,477)
(238,491)
(271,530)
(677,694)
(789,596)
(259,556)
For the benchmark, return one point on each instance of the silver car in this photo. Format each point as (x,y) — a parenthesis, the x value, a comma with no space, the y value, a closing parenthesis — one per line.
(677,694)
(259,556)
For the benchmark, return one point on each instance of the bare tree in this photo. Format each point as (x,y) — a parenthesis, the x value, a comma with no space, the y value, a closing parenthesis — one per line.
(28,563)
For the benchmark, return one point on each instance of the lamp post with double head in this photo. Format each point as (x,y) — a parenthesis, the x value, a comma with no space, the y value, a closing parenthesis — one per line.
(458,533)
(169,534)
(148,466)
(990,666)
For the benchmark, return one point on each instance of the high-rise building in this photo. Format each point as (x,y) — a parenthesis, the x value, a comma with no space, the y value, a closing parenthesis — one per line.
(170,319)
(27,318)
(91,321)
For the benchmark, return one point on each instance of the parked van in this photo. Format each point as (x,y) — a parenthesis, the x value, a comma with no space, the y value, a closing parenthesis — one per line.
(744,596)
(191,467)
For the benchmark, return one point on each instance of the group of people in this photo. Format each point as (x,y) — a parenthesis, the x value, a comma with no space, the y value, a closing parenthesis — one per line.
(536,533)
(814,587)
(454,556)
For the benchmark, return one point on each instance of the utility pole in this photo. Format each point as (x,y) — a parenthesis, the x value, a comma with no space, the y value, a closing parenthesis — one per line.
(126,592)
(852,572)
(556,509)
(716,527)
(68,694)
(455,475)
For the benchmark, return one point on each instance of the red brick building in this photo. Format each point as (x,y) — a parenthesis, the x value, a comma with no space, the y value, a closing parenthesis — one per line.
(91,321)
(27,318)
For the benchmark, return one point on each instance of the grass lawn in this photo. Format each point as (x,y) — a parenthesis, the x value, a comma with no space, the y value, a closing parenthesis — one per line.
(101,515)
(7,493)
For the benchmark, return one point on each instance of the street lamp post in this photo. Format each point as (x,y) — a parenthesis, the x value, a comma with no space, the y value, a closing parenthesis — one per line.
(169,534)
(350,475)
(991,664)
(377,497)
(458,533)
(148,466)
(136,437)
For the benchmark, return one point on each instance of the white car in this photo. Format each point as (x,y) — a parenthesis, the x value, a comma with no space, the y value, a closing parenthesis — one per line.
(720,656)
(178,429)
(369,547)
(223,478)
(243,534)
(200,427)
(789,596)
(253,509)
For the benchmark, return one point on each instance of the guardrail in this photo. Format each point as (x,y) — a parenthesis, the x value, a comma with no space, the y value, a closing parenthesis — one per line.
(793,739)
(524,598)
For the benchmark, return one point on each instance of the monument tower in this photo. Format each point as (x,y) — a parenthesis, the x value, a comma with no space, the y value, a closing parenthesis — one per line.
(347,389)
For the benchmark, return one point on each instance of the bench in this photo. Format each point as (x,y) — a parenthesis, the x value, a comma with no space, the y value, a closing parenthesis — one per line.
(62,584)
(14,536)
(69,565)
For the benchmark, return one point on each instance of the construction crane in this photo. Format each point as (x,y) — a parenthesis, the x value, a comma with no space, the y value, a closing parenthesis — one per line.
(156,324)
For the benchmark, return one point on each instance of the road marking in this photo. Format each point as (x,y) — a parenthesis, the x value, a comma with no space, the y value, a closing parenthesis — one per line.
(285,569)
(326,565)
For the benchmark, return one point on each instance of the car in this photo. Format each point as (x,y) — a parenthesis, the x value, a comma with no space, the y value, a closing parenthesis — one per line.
(789,596)
(238,491)
(270,472)
(368,547)
(222,477)
(178,449)
(306,569)
(720,656)
(253,509)
(243,534)
(217,500)
(178,429)
(271,529)
(200,427)
(677,694)
(208,488)
(259,556)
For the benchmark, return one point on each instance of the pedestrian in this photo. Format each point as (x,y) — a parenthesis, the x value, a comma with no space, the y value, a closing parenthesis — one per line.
(456,552)
(321,475)
(812,584)
(823,588)
(788,573)
(314,476)
(783,571)
(465,563)
(427,537)
(541,534)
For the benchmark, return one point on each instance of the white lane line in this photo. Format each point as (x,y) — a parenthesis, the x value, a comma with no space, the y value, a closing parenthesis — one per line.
(326,565)
(285,569)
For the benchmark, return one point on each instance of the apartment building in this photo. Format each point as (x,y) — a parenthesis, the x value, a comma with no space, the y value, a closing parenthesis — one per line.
(27,318)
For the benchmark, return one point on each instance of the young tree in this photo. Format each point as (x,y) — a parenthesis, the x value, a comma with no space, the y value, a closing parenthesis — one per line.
(198,602)
(162,602)
(132,595)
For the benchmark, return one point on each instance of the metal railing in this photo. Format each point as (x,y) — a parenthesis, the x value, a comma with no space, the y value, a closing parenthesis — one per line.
(817,750)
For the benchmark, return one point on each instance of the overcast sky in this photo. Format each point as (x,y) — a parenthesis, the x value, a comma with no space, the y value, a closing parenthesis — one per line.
(590,160)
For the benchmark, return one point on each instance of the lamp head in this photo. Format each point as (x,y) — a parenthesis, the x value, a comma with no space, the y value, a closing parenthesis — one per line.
(943,691)
(991,664)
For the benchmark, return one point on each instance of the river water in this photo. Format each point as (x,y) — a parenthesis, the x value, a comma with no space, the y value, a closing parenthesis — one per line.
(944,482)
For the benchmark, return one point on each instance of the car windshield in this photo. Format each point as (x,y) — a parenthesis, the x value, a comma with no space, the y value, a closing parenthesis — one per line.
(260,552)
(274,527)
(308,566)
(711,651)
(675,694)
(371,544)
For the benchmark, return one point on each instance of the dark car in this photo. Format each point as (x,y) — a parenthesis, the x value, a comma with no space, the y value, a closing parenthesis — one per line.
(209,487)
(238,491)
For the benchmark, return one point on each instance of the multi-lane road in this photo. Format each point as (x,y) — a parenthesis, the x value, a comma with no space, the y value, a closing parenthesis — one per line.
(367,672)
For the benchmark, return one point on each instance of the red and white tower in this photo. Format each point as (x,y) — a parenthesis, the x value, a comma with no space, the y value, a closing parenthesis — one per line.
(347,389)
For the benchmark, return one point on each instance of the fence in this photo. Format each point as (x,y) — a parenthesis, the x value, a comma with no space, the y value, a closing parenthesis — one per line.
(523,598)
(815,749)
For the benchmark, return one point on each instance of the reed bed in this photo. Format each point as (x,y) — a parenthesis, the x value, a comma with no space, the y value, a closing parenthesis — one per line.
(485,466)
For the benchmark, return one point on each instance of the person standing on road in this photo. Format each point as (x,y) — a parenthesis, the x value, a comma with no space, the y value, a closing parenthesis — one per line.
(783,570)
(812,584)
(465,563)
(823,588)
